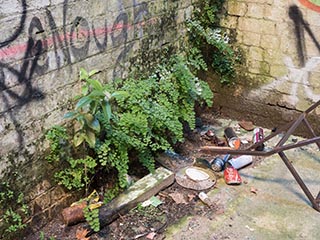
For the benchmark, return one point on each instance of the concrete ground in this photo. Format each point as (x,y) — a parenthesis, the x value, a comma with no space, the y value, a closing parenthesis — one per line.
(268,205)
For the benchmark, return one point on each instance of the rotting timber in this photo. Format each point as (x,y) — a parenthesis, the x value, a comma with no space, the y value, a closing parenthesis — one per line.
(279,148)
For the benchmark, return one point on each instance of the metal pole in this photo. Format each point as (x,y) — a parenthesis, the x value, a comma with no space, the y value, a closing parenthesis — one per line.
(315,205)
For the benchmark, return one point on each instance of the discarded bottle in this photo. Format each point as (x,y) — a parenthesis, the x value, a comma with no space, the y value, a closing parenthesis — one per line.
(205,199)
(258,136)
(232,138)
(241,161)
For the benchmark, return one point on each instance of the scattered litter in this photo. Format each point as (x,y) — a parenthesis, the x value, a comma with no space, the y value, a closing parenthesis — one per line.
(184,181)
(218,164)
(251,229)
(154,201)
(151,235)
(196,174)
(210,133)
(258,136)
(191,197)
(205,199)
(241,161)
(232,138)
(231,176)
(253,190)
(244,141)
(178,198)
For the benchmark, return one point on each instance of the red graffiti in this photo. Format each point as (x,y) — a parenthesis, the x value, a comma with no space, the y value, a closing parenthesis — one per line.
(12,51)
(313,5)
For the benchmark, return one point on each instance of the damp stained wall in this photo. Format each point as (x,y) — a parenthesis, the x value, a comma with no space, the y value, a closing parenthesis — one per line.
(43,45)
(280,41)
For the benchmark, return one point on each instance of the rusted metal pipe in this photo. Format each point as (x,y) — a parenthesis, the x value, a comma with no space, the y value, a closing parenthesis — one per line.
(299,180)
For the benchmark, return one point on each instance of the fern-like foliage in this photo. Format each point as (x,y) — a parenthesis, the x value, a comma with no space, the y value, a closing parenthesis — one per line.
(141,116)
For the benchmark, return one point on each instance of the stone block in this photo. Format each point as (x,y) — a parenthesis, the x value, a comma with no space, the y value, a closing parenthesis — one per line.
(251,38)
(249,24)
(275,13)
(255,10)
(255,53)
(237,8)
(259,67)
(229,22)
(278,71)
(268,27)
(269,41)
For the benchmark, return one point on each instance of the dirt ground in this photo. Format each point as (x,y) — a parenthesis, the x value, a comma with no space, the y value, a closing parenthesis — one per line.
(150,222)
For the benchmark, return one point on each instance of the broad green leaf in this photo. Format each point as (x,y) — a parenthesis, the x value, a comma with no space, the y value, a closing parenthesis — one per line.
(90,138)
(106,108)
(95,84)
(78,139)
(93,72)
(83,74)
(120,94)
(83,101)
(70,115)
(92,122)
(95,125)
(88,117)
(96,93)
(84,90)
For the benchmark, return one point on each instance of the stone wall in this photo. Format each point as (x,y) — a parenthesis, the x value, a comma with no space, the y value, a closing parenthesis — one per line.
(43,44)
(281,45)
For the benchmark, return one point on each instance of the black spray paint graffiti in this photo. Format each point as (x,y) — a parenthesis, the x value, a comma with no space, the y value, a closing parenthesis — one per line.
(36,60)
(300,27)
(297,78)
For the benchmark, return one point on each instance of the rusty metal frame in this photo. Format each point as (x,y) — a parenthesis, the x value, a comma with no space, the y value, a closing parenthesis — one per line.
(279,148)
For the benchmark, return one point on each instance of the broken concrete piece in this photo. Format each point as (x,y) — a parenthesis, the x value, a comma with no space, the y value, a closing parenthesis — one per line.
(140,191)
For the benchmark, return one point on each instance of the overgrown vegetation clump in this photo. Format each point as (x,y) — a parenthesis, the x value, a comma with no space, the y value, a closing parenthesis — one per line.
(214,43)
(126,120)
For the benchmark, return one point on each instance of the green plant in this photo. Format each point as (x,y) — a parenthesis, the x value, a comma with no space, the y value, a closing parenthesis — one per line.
(111,194)
(207,37)
(130,119)
(92,217)
(77,174)
(43,236)
(78,171)
(59,145)
(13,218)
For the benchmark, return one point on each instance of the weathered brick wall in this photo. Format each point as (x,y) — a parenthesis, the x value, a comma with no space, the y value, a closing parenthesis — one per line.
(281,45)
(43,44)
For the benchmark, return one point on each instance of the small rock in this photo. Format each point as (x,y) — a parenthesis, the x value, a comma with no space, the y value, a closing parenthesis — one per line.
(246,125)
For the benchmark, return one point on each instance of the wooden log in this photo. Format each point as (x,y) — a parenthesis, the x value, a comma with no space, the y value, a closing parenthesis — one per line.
(140,191)
(73,215)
